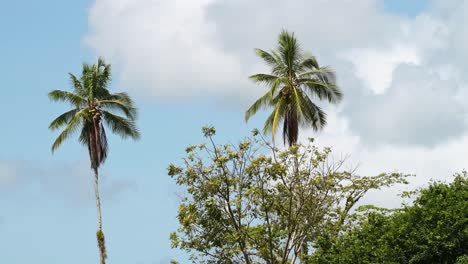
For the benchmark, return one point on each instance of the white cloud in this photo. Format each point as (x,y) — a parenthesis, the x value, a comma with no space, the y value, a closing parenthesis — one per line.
(184,48)
(436,163)
(404,106)
(161,48)
(376,67)
(418,109)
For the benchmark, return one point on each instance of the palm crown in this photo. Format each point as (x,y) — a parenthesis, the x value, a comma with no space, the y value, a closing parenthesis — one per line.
(295,78)
(93,103)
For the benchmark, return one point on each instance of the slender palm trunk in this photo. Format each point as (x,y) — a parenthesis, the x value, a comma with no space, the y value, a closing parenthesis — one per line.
(99,233)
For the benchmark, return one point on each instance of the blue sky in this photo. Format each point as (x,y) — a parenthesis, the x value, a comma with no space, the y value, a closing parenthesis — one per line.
(48,214)
(406,7)
(41,223)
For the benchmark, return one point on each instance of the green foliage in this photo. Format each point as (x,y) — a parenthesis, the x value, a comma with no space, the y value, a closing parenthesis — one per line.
(295,78)
(92,102)
(432,230)
(252,203)
(462,260)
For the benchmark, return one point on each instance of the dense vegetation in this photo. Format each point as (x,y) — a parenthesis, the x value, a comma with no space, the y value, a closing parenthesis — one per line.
(432,230)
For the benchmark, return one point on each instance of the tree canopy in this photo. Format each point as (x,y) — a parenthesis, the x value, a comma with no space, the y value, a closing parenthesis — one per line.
(434,229)
(253,203)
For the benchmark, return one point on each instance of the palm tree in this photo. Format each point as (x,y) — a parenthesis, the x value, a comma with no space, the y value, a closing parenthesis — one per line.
(295,78)
(93,106)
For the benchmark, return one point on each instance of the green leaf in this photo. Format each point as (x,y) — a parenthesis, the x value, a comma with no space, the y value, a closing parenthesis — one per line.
(64,96)
(71,127)
(120,105)
(261,102)
(123,127)
(63,119)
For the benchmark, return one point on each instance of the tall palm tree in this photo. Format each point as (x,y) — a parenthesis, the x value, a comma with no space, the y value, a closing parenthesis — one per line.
(295,78)
(92,107)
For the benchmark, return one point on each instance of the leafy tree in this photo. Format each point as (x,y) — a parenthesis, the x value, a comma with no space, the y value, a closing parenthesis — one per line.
(462,260)
(432,230)
(92,107)
(252,203)
(294,80)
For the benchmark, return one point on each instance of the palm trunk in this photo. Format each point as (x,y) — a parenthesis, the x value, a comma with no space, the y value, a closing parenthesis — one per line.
(99,233)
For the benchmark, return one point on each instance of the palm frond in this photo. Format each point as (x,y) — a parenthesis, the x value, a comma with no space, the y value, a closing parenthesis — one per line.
(282,68)
(86,81)
(312,114)
(289,50)
(273,60)
(123,101)
(122,106)
(95,79)
(267,127)
(72,126)
(63,119)
(121,126)
(280,109)
(77,85)
(65,96)
(297,102)
(124,97)
(323,90)
(85,134)
(103,75)
(309,63)
(268,58)
(261,102)
(267,79)
(324,74)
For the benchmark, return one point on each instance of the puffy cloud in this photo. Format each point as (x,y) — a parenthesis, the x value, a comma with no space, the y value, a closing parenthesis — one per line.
(418,89)
(439,162)
(184,48)
(401,76)
(375,67)
(322,25)
(419,108)
(162,48)
(454,36)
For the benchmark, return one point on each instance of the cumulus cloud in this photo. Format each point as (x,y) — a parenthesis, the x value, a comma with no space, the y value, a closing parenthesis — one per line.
(453,35)
(161,48)
(375,67)
(184,48)
(419,108)
(402,77)
(429,95)
(439,162)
